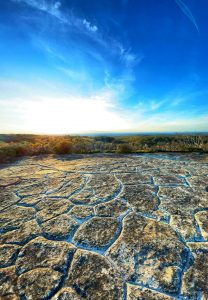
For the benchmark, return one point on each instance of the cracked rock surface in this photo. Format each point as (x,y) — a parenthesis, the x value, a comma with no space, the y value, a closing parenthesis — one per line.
(104,227)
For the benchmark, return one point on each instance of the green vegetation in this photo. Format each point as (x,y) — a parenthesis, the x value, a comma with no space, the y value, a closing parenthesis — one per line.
(14,146)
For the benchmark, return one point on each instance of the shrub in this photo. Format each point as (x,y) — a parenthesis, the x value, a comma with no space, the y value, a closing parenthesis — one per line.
(63,147)
(7,154)
(124,148)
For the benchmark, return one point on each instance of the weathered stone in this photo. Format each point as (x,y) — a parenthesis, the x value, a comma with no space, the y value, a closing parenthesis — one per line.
(93,277)
(39,283)
(96,232)
(142,198)
(30,200)
(196,277)
(82,211)
(7,198)
(86,196)
(32,189)
(122,169)
(202,220)
(7,181)
(14,217)
(54,182)
(168,180)
(23,171)
(49,172)
(113,208)
(105,186)
(22,235)
(66,293)
(155,248)
(135,292)
(181,203)
(134,178)
(52,207)
(59,227)
(8,254)
(75,181)
(199,182)
(44,253)
(11,297)
(146,253)
(8,283)
(182,198)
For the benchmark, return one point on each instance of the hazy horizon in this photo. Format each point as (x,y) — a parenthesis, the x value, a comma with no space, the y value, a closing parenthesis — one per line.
(109,66)
(112,133)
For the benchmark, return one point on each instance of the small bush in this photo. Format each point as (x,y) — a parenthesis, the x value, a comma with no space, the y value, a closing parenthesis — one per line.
(14,146)
(63,147)
(7,154)
(124,148)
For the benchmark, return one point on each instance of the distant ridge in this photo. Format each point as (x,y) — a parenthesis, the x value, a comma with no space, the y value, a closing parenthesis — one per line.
(140,133)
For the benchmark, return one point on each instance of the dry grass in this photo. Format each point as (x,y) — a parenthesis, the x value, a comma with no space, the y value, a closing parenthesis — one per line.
(14,146)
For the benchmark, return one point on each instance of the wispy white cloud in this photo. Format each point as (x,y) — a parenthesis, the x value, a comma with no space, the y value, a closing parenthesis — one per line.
(187,12)
(72,46)
(52,8)
(154,105)
(170,122)
(89,26)
(177,101)
(85,27)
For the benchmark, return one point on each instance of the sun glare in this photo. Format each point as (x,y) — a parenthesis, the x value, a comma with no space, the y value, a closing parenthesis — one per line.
(64,116)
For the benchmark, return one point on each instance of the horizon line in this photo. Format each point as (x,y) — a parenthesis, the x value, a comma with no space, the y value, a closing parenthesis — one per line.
(109,133)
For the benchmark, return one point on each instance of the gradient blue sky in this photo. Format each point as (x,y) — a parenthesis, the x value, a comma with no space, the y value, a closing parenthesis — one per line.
(75,66)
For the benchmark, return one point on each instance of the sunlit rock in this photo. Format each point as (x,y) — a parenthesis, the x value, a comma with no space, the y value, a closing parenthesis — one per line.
(41,252)
(134,178)
(59,227)
(26,232)
(195,278)
(202,220)
(7,198)
(14,217)
(113,208)
(66,293)
(150,253)
(8,283)
(82,211)
(168,180)
(135,292)
(52,207)
(97,232)
(93,277)
(142,198)
(181,203)
(8,255)
(38,283)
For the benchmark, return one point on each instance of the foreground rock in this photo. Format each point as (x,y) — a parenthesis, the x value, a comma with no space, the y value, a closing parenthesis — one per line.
(97,232)
(135,292)
(41,252)
(104,227)
(39,283)
(149,253)
(93,277)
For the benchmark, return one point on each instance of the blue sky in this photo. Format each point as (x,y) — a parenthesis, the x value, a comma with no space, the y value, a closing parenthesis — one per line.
(76,66)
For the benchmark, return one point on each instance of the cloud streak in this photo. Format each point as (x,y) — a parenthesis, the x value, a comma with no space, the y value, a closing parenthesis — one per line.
(84,27)
(89,26)
(51,8)
(187,12)
(54,10)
